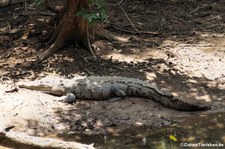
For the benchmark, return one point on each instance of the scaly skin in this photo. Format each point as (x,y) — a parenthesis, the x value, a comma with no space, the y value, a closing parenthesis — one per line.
(105,87)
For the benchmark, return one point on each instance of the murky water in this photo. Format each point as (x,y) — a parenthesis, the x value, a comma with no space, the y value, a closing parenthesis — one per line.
(199,131)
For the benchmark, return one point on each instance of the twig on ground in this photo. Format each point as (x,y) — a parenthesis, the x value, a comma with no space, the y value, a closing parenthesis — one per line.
(117,4)
(132,24)
(128,18)
(133,32)
(11,32)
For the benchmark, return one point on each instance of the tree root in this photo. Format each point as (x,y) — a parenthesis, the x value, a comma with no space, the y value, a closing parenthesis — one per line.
(101,32)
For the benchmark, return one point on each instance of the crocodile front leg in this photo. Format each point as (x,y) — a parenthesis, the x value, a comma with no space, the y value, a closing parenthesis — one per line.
(68,98)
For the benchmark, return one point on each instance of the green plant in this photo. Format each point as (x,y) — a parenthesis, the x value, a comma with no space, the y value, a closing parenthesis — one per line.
(97,15)
(38,2)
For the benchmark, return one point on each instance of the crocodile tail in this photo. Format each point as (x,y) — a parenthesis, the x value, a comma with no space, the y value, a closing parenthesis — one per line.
(152,92)
(183,106)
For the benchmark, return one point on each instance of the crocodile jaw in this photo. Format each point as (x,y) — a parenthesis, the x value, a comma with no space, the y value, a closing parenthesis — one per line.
(32,86)
(55,89)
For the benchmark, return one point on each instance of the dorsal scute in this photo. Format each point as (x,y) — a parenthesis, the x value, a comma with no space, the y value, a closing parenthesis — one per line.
(124,80)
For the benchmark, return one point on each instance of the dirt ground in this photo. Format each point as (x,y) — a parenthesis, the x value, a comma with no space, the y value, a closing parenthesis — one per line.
(181,47)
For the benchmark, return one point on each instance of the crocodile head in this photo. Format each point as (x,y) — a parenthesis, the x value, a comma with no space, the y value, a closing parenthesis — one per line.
(35,86)
(50,86)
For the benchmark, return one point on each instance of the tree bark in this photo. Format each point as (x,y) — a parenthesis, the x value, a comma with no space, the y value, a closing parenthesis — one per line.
(70,29)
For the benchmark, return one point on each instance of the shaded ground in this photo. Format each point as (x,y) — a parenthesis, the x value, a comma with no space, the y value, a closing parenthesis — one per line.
(196,131)
(186,57)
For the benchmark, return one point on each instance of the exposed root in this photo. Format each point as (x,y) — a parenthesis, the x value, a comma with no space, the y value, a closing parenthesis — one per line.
(101,32)
(51,50)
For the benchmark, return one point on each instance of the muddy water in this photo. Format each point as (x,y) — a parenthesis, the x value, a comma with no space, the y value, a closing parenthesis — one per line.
(199,131)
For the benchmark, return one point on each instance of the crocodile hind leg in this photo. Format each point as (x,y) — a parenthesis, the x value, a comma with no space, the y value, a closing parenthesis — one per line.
(119,94)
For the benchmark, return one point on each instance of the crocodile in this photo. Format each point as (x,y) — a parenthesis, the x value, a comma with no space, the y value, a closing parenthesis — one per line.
(106,87)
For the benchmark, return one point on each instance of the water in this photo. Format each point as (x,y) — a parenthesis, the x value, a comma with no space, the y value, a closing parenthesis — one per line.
(191,131)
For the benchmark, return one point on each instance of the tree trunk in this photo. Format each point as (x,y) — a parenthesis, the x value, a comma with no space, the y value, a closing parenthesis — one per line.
(70,28)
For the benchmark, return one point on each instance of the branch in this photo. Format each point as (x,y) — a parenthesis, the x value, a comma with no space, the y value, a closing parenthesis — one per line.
(10,2)
(21,140)
(128,18)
